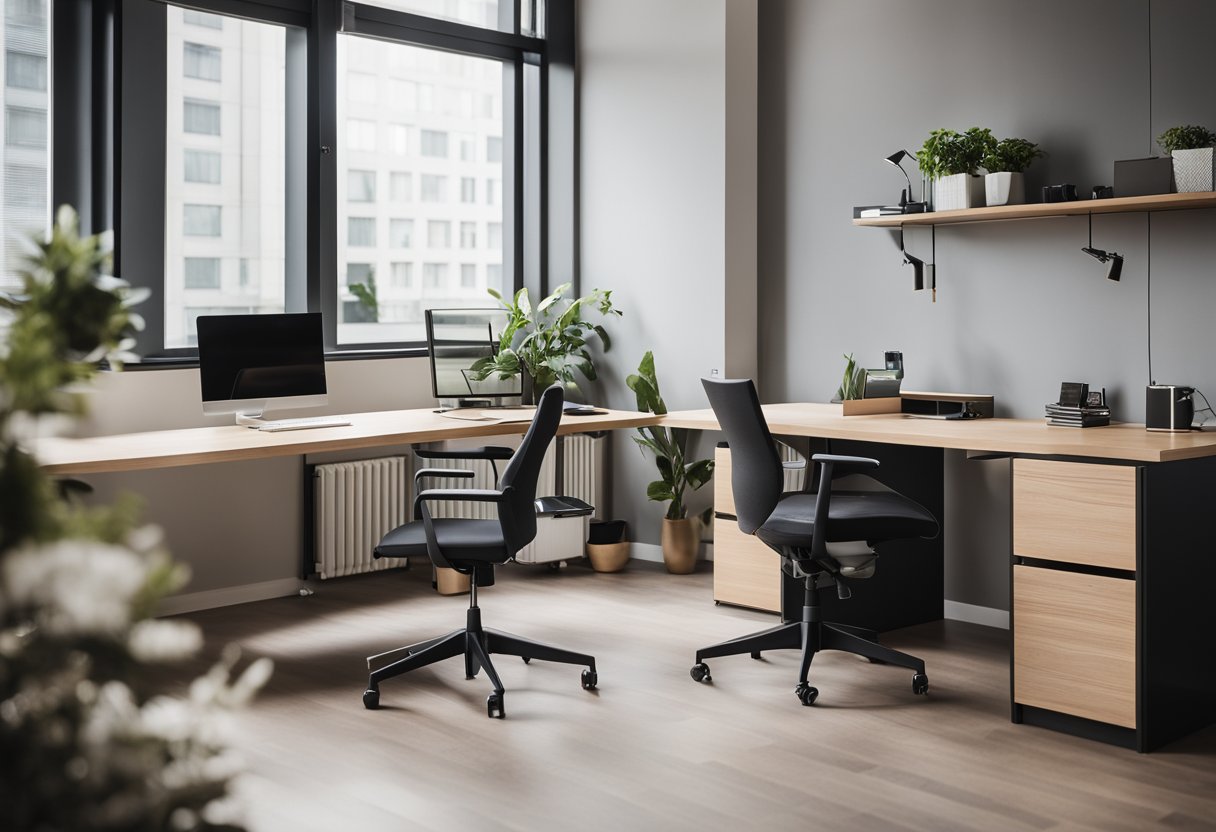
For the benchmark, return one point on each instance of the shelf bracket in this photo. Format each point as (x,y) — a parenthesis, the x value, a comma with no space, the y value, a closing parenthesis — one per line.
(919,266)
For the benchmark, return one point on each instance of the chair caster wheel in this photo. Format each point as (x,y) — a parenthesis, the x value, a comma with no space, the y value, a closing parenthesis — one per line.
(755,654)
(806,694)
(371,699)
(527,659)
(590,679)
(700,672)
(920,684)
(494,707)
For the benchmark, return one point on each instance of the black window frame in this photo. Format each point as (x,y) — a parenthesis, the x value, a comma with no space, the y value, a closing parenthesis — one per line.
(116,171)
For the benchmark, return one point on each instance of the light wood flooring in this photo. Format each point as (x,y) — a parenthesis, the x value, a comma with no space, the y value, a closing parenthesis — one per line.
(651,749)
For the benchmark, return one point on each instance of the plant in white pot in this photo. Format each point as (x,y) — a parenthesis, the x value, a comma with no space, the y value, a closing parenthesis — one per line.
(680,535)
(1005,163)
(1191,148)
(952,161)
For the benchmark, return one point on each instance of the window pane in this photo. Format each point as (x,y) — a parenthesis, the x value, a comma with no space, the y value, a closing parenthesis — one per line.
(25,71)
(487,14)
(358,273)
(225,213)
(202,166)
(202,272)
(200,61)
(494,148)
(201,117)
(25,163)
(468,276)
(361,186)
(418,259)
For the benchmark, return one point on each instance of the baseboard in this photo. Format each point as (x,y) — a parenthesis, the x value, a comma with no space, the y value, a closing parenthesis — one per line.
(654,553)
(228,596)
(987,616)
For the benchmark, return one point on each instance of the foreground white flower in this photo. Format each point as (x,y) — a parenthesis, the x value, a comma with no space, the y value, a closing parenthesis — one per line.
(154,641)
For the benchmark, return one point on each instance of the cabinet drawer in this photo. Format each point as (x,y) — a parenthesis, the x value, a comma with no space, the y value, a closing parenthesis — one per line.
(1075,512)
(746,572)
(724,498)
(1074,644)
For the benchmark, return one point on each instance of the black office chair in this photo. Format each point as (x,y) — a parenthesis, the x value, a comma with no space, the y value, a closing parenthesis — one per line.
(474,547)
(822,537)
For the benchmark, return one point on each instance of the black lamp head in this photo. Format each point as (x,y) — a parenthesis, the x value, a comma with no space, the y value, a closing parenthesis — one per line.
(1115,260)
(897,157)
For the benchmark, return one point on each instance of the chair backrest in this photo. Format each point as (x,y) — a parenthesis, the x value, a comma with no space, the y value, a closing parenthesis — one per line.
(518,512)
(756,475)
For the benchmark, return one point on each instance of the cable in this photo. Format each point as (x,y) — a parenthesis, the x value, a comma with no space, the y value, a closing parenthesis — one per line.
(1150,77)
(1208,409)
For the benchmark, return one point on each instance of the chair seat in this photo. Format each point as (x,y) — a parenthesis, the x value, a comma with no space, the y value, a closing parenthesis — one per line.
(852,515)
(460,539)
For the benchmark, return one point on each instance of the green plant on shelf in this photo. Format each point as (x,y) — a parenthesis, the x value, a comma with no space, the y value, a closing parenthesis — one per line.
(853,382)
(1186,137)
(1011,155)
(948,152)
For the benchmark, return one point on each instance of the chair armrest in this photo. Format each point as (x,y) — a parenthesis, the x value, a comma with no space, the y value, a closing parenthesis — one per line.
(837,459)
(823,500)
(488,452)
(470,495)
(453,473)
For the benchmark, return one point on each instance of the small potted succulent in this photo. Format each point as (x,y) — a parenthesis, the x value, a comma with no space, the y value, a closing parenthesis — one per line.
(952,161)
(1191,148)
(1005,163)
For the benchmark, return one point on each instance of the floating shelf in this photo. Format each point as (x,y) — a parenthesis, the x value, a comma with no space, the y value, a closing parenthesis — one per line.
(1080,207)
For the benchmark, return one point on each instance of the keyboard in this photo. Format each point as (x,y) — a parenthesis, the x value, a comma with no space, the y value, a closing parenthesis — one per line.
(305,423)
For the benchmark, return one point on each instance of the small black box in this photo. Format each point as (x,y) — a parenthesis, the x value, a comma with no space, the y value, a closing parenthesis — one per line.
(1143,177)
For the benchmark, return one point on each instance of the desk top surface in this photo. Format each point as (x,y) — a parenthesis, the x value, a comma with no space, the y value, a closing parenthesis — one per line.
(231,443)
(1123,441)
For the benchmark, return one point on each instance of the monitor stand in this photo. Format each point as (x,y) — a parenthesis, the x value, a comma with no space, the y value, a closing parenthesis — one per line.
(251,419)
(446,405)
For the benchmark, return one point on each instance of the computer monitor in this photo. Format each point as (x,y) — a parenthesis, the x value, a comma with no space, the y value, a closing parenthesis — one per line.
(251,363)
(456,339)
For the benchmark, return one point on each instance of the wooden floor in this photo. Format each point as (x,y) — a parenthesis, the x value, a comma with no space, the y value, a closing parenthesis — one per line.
(651,749)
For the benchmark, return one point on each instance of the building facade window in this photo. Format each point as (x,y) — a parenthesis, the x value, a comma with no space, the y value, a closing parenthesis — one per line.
(201,61)
(202,220)
(361,231)
(202,166)
(400,233)
(361,186)
(202,273)
(24,71)
(202,117)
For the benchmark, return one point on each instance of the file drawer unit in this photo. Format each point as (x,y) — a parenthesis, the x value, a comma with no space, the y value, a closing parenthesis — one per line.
(1114,568)
(746,572)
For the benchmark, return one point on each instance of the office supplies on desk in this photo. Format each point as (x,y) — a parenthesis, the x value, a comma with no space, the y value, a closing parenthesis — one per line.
(1078,407)
(946,405)
(1169,408)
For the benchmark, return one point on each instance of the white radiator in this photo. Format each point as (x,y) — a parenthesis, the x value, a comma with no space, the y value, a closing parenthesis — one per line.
(354,505)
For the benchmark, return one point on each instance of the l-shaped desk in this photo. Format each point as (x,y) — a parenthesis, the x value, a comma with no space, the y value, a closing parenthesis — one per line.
(1112,560)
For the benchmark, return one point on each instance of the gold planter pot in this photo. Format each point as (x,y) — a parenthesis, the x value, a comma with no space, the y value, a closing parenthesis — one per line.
(679,541)
(608,557)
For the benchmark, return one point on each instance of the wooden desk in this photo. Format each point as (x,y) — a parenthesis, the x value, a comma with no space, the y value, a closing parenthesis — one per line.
(1112,561)
(233,443)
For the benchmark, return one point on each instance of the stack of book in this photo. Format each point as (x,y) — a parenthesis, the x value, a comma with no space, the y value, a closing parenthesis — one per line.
(1071,416)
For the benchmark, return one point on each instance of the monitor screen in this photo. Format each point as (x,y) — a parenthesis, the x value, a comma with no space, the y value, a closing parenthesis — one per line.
(457,338)
(248,362)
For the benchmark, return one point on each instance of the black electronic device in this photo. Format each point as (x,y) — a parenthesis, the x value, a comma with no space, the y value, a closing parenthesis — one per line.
(1073,393)
(1059,193)
(1102,192)
(251,363)
(1169,407)
(456,340)
(894,360)
(1144,177)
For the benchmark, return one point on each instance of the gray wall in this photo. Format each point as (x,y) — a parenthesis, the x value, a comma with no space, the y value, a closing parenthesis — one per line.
(1019,308)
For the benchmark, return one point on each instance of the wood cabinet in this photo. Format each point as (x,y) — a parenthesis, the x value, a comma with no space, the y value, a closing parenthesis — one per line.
(746,572)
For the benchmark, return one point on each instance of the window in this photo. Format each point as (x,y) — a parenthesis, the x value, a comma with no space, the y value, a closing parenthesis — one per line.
(435,143)
(468,235)
(361,186)
(494,232)
(493,148)
(402,95)
(402,275)
(360,231)
(438,233)
(24,127)
(400,186)
(361,135)
(468,147)
(202,273)
(202,166)
(468,276)
(493,186)
(201,117)
(361,87)
(434,275)
(25,71)
(433,188)
(399,139)
(214,219)
(400,233)
(468,190)
(494,274)
(358,273)
(199,61)
(201,220)
(487,14)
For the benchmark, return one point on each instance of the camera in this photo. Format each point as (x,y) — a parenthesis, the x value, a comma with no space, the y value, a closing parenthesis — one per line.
(1059,193)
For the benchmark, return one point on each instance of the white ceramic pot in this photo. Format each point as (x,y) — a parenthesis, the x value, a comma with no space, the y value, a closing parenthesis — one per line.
(962,190)
(1004,188)
(1193,170)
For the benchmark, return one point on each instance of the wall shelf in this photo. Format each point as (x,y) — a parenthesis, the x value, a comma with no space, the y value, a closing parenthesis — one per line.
(1080,207)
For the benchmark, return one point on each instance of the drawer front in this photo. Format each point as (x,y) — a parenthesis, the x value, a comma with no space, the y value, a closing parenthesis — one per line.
(1075,512)
(746,572)
(724,498)
(1074,644)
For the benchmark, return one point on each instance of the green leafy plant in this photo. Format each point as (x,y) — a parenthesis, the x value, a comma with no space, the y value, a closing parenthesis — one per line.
(368,298)
(853,382)
(1186,137)
(668,446)
(86,744)
(1011,155)
(947,152)
(548,342)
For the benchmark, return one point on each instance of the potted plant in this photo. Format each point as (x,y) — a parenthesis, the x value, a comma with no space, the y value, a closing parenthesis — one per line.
(679,535)
(1191,149)
(952,160)
(1005,163)
(852,389)
(548,342)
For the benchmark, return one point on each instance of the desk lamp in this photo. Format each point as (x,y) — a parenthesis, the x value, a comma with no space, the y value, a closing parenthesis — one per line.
(905,201)
(1114,258)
